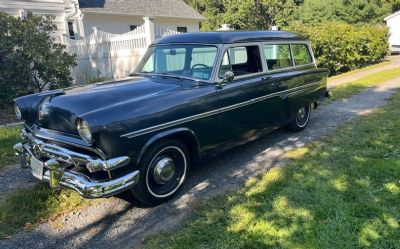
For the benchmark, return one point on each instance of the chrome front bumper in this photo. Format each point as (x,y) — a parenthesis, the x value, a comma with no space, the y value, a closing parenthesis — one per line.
(55,168)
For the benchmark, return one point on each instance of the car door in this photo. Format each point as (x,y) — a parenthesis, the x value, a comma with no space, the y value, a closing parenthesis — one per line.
(249,104)
(294,73)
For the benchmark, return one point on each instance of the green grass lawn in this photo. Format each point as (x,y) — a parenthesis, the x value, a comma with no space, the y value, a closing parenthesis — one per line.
(348,89)
(27,207)
(342,192)
(8,137)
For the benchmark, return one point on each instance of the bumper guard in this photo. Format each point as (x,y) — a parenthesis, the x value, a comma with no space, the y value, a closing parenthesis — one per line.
(53,171)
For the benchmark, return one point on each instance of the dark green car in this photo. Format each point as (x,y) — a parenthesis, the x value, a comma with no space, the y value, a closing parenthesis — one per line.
(192,95)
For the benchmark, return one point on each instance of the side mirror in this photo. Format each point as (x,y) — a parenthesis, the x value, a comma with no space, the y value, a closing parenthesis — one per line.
(229,76)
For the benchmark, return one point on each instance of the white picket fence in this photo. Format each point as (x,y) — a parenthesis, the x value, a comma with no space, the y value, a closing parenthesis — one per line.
(111,56)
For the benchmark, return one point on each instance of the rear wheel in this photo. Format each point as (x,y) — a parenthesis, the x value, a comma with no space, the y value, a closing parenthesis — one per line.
(163,171)
(301,120)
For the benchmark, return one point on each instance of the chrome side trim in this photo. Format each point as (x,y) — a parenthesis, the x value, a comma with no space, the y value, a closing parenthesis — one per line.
(214,112)
(169,124)
(249,102)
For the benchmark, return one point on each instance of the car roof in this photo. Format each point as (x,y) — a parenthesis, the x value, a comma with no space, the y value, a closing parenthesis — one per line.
(228,37)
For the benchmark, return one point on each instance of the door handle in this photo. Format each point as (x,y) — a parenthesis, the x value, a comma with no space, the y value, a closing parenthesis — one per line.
(266,78)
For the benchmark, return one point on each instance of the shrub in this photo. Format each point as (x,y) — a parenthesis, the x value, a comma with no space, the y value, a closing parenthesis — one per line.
(30,60)
(342,47)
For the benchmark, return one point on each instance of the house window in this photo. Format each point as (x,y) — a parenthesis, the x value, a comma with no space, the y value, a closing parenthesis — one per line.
(181,29)
(133,27)
(71,30)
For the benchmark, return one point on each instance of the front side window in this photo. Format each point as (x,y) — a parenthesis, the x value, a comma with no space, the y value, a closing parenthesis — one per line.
(301,54)
(278,56)
(194,61)
(241,60)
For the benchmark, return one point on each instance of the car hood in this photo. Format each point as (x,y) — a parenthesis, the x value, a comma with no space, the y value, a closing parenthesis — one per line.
(60,111)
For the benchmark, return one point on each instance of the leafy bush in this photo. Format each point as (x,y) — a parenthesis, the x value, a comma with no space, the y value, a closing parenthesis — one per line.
(342,47)
(30,60)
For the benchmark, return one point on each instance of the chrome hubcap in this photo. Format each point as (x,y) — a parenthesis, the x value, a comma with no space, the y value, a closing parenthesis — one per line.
(164,170)
(302,116)
(301,113)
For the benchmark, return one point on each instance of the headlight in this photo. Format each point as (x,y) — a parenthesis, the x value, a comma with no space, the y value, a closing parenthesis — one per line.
(17,111)
(84,130)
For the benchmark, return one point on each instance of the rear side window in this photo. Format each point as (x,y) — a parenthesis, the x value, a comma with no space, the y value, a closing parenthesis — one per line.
(301,54)
(241,60)
(278,56)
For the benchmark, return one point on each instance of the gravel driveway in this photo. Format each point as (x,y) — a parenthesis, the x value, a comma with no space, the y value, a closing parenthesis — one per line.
(119,224)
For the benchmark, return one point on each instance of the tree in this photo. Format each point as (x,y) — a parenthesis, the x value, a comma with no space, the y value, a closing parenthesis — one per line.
(258,14)
(349,11)
(193,3)
(214,11)
(395,5)
(246,14)
(262,14)
(30,59)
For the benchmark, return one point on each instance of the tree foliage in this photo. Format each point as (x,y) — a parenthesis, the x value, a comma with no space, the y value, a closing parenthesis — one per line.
(395,5)
(262,14)
(30,60)
(245,14)
(348,11)
(258,14)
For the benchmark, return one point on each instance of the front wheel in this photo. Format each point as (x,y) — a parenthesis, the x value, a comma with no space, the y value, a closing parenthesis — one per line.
(301,120)
(163,171)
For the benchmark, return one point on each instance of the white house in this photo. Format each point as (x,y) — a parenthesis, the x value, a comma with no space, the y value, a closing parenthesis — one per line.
(393,22)
(121,16)
(77,18)
(68,17)
(109,37)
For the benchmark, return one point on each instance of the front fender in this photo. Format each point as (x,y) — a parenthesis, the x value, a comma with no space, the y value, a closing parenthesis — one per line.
(183,133)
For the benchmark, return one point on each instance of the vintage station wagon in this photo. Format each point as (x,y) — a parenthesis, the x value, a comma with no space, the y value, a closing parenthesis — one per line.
(192,95)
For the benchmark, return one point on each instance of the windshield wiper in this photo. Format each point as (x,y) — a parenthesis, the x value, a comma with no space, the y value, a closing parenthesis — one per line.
(138,74)
(165,74)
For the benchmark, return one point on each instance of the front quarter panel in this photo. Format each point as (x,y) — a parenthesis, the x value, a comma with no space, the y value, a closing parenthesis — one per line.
(127,129)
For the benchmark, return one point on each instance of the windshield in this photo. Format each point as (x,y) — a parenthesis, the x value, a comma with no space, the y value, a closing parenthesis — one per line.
(193,61)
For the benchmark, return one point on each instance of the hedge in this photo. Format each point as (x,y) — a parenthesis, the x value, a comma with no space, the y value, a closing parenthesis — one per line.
(342,47)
